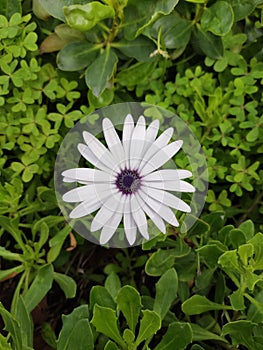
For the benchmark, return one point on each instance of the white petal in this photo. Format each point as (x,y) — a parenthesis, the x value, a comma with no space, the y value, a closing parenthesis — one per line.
(168,199)
(139,216)
(99,150)
(161,157)
(69,180)
(83,193)
(165,212)
(88,175)
(157,145)
(109,207)
(128,128)
(86,152)
(168,175)
(156,218)
(176,185)
(130,227)
(110,227)
(150,135)
(85,208)
(113,142)
(137,143)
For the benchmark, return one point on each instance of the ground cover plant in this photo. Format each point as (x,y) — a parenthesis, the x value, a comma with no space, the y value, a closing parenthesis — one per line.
(202,289)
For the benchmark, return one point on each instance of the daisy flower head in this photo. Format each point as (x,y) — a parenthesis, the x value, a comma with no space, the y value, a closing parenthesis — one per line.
(128,188)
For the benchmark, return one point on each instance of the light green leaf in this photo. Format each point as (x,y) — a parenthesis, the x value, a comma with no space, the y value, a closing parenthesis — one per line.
(113,284)
(105,65)
(237,300)
(56,243)
(66,283)
(11,272)
(111,346)
(149,325)
(4,345)
(129,302)
(198,304)
(76,56)
(178,336)
(26,324)
(76,330)
(85,17)
(218,18)
(105,321)
(6,254)
(39,287)
(166,292)
(55,8)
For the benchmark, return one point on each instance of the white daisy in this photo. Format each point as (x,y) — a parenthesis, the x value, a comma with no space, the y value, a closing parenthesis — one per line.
(125,183)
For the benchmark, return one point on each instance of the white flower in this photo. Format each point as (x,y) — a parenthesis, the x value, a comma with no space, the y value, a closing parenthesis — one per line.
(125,183)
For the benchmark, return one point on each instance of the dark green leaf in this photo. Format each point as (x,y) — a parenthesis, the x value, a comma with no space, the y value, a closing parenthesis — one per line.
(159,262)
(139,48)
(9,7)
(76,56)
(105,65)
(178,336)
(55,8)
(242,8)
(99,295)
(12,326)
(26,324)
(240,332)
(39,287)
(200,334)
(129,302)
(210,44)
(113,284)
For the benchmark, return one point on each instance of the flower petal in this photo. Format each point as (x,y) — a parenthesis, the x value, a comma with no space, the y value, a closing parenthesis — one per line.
(150,135)
(110,227)
(176,185)
(88,175)
(139,216)
(113,142)
(83,193)
(110,206)
(130,227)
(99,150)
(128,128)
(168,199)
(156,146)
(161,209)
(168,175)
(137,143)
(86,152)
(161,157)
(156,218)
(85,208)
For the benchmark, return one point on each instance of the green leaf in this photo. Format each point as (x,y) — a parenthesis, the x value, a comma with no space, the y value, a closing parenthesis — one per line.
(129,303)
(55,8)
(210,253)
(105,321)
(12,326)
(4,345)
(166,292)
(240,332)
(111,346)
(137,72)
(218,18)
(139,48)
(200,334)
(56,243)
(9,7)
(210,44)
(237,300)
(159,262)
(257,242)
(105,64)
(255,311)
(100,296)
(6,254)
(76,56)
(76,330)
(149,325)
(66,283)
(26,324)
(11,272)
(39,287)
(198,304)
(242,8)
(178,336)
(175,30)
(113,284)
(85,17)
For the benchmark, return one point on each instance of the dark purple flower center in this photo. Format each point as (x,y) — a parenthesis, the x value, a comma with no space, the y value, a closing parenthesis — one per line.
(128,181)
